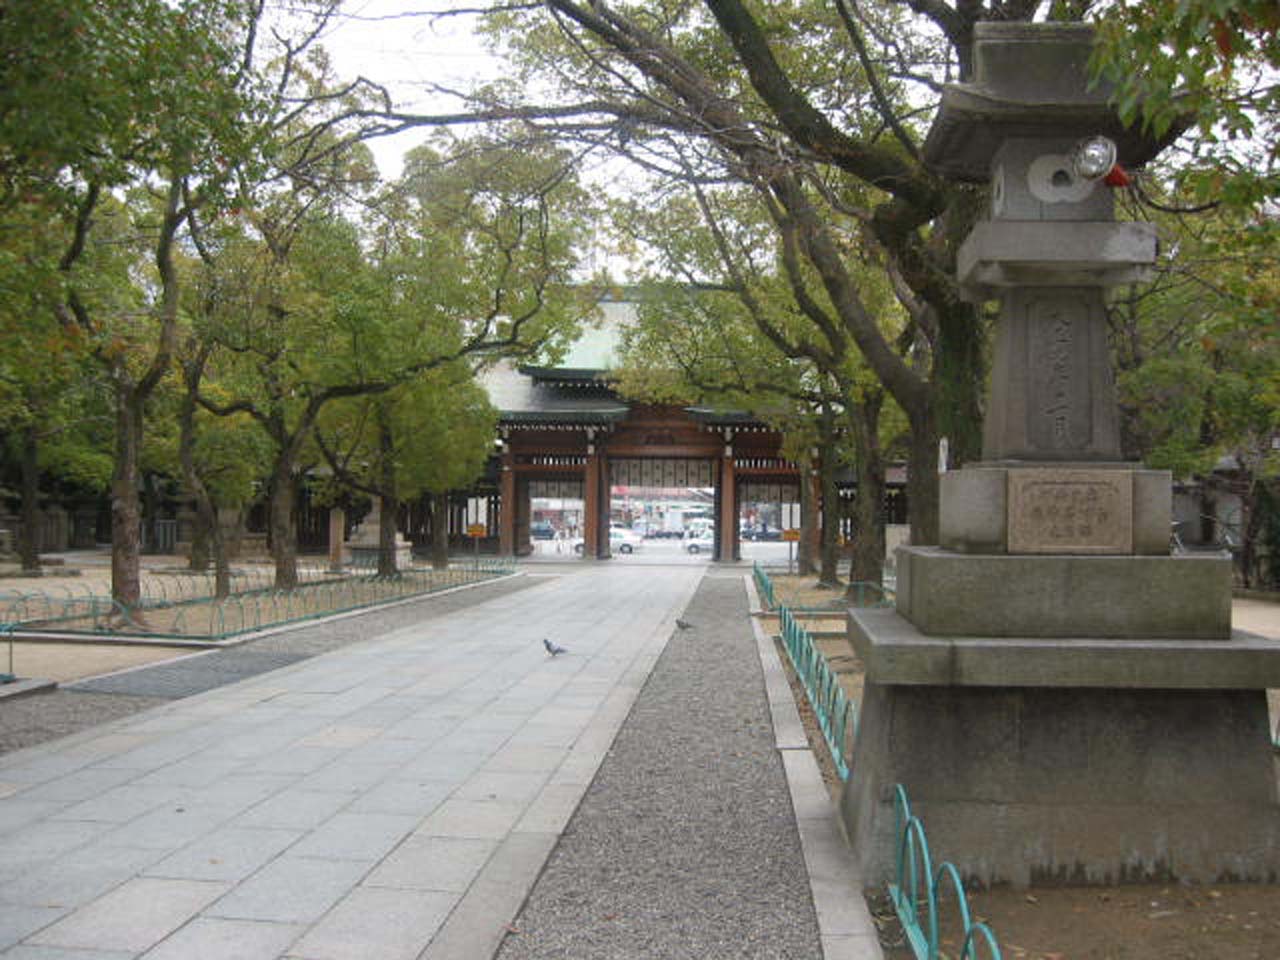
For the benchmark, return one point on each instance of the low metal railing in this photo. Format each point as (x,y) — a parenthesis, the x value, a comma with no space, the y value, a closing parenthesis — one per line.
(915,884)
(763,584)
(182,606)
(835,710)
(858,593)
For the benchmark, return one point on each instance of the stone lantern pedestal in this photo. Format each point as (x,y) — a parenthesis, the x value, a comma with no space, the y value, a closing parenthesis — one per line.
(1063,699)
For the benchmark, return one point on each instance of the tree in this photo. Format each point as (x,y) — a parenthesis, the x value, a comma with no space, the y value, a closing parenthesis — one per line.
(47,381)
(1198,354)
(102,99)
(431,435)
(1211,65)
(470,258)
(808,105)
(719,236)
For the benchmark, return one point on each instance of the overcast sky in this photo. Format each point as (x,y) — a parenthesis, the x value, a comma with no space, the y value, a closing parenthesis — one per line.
(384,41)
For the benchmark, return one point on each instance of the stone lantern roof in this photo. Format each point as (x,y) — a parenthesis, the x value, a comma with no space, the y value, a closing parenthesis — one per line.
(1030,82)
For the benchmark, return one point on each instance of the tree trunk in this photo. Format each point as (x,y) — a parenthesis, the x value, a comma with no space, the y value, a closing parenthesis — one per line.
(284,547)
(867,561)
(126,515)
(440,531)
(922,479)
(200,555)
(959,378)
(207,537)
(29,529)
(829,575)
(805,565)
(1250,528)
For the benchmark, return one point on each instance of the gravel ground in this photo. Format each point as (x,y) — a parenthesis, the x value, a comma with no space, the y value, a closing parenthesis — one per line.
(685,846)
(27,721)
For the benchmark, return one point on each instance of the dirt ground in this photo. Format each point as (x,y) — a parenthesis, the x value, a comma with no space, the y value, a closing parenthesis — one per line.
(65,662)
(1139,922)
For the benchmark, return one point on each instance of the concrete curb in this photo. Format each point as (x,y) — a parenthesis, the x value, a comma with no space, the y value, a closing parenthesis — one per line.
(844,922)
(22,688)
(43,636)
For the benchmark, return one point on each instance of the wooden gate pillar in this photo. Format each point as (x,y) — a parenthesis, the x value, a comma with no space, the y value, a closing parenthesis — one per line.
(591,500)
(728,543)
(507,505)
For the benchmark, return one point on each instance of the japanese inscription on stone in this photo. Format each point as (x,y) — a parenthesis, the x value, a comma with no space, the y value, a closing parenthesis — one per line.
(1059,410)
(1070,511)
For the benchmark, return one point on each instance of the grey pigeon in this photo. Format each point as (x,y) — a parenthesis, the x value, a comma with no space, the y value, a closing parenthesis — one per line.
(684,624)
(552,648)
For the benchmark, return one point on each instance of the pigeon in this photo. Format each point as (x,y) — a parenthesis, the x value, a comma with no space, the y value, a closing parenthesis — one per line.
(552,648)
(684,624)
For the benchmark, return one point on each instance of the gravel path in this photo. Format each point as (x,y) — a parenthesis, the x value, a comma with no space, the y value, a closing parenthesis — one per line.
(27,721)
(685,846)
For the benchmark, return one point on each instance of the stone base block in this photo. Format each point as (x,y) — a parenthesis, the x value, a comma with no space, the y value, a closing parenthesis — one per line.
(1114,508)
(364,557)
(1026,786)
(950,594)
(895,652)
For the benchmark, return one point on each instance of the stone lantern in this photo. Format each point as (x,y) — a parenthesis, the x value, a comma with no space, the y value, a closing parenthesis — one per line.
(1061,697)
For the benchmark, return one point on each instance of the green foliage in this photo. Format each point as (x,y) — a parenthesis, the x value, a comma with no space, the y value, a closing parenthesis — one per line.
(1215,62)
(95,91)
(444,428)
(1171,397)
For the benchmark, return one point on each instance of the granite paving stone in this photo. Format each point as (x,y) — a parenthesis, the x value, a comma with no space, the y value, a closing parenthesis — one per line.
(371,922)
(25,952)
(291,890)
(211,938)
(448,864)
(134,916)
(357,836)
(478,819)
(418,797)
(295,810)
(19,920)
(77,877)
(47,839)
(228,853)
(120,804)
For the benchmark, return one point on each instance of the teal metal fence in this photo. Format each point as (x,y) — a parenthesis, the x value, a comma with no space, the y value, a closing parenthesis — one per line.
(859,593)
(182,606)
(917,886)
(8,676)
(836,712)
(764,585)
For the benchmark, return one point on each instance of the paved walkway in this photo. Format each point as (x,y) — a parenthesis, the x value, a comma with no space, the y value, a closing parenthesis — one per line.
(391,799)
(685,846)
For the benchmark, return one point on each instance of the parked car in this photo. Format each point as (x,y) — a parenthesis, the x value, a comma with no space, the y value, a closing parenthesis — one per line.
(621,540)
(542,530)
(700,541)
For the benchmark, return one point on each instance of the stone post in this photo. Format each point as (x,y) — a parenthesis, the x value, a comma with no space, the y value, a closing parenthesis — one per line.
(337,533)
